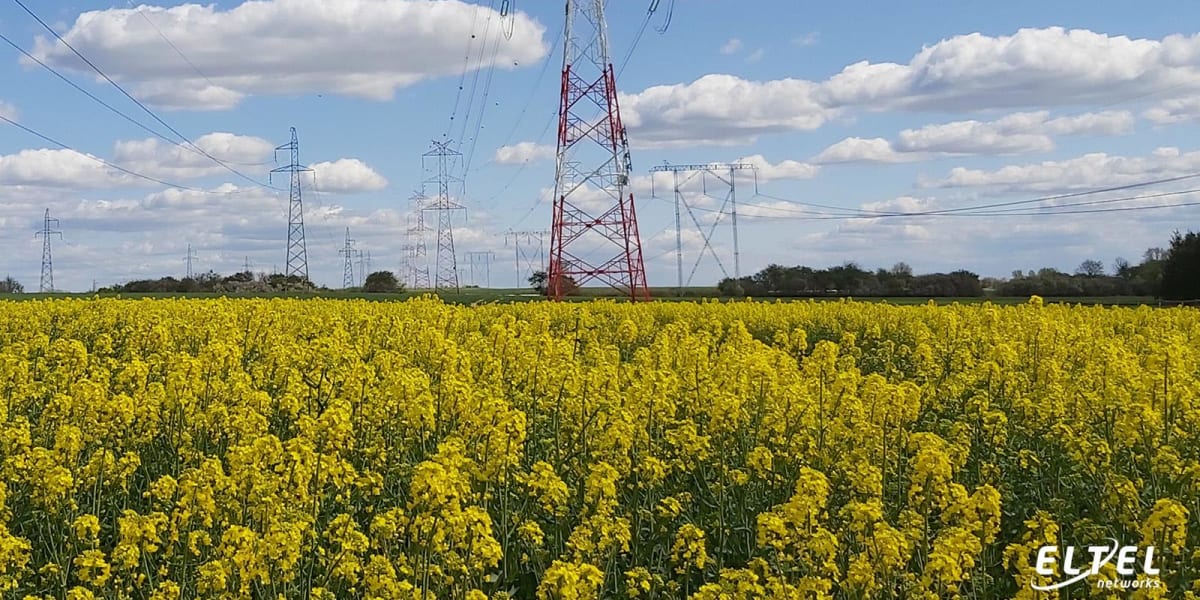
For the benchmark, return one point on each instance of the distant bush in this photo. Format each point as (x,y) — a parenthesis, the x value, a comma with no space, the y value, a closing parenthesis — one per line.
(382,282)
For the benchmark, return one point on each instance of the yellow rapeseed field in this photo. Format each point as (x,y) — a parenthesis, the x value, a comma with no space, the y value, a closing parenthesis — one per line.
(349,449)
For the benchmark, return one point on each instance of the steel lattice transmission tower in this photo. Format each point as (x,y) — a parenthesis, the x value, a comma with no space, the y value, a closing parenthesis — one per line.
(726,176)
(484,259)
(445,206)
(535,239)
(416,252)
(191,255)
(348,270)
(594,235)
(297,254)
(49,229)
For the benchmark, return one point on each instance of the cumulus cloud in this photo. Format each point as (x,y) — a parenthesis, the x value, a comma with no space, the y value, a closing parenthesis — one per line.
(1175,110)
(347,176)
(1018,133)
(1088,171)
(732,46)
(157,158)
(855,149)
(786,169)
(58,169)
(524,152)
(360,48)
(1031,68)
(721,110)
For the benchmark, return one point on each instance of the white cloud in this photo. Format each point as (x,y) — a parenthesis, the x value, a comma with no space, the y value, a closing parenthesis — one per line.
(1083,172)
(1031,68)
(787,169)
(157,158)
(721,110)
(1017,133)
(856,149)
(732,46)
(523,152)
(347,176)
(1175,110)
(811,38)
(756,56)
(361,48)
(58,169)
(8,111)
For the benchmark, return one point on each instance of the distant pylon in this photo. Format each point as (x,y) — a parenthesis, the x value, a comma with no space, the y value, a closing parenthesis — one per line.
(364,266)
(592,168)
(297,254)
(521,257)
(416,252)
(348,270)
(48,230)
(725,174)
(447,261)
(484,259)
(190,255)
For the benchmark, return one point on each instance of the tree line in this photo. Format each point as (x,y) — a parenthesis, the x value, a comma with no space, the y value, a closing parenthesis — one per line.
(1170,274)
(245,282)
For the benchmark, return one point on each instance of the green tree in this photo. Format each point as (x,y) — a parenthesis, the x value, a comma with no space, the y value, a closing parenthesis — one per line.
(1090,268)
(11,286)
(539,281)
(1181,268)
(382,282)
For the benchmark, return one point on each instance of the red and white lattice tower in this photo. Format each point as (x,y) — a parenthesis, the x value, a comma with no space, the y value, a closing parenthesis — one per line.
(594,236)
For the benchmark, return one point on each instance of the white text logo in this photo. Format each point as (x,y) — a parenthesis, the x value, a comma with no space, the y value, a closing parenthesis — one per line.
(1079,564)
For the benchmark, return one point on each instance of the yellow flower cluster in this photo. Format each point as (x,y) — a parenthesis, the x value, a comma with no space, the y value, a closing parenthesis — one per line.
(171,449)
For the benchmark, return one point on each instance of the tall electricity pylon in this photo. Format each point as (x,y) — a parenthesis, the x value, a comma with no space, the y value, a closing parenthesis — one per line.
(593,203)
(445,206)
(348,270)
(49,230)
(726,176)
(297,254)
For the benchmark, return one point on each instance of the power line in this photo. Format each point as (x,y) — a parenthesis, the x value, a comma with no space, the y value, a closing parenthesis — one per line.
(533,91)
(865,213)
(108,164)
(1000,213)
(462,78)
(466,120)
(661,29)
(154,115)
(101,102)
(170,43)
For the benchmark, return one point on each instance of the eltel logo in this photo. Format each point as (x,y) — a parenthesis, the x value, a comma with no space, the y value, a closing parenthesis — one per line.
(1125,559)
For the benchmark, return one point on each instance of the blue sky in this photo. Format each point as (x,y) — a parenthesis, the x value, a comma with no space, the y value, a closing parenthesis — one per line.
(862,106)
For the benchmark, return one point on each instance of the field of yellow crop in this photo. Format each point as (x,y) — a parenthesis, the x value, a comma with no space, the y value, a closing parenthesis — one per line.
(348,449)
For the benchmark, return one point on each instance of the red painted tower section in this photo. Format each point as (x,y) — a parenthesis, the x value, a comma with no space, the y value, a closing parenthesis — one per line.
(594,234)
